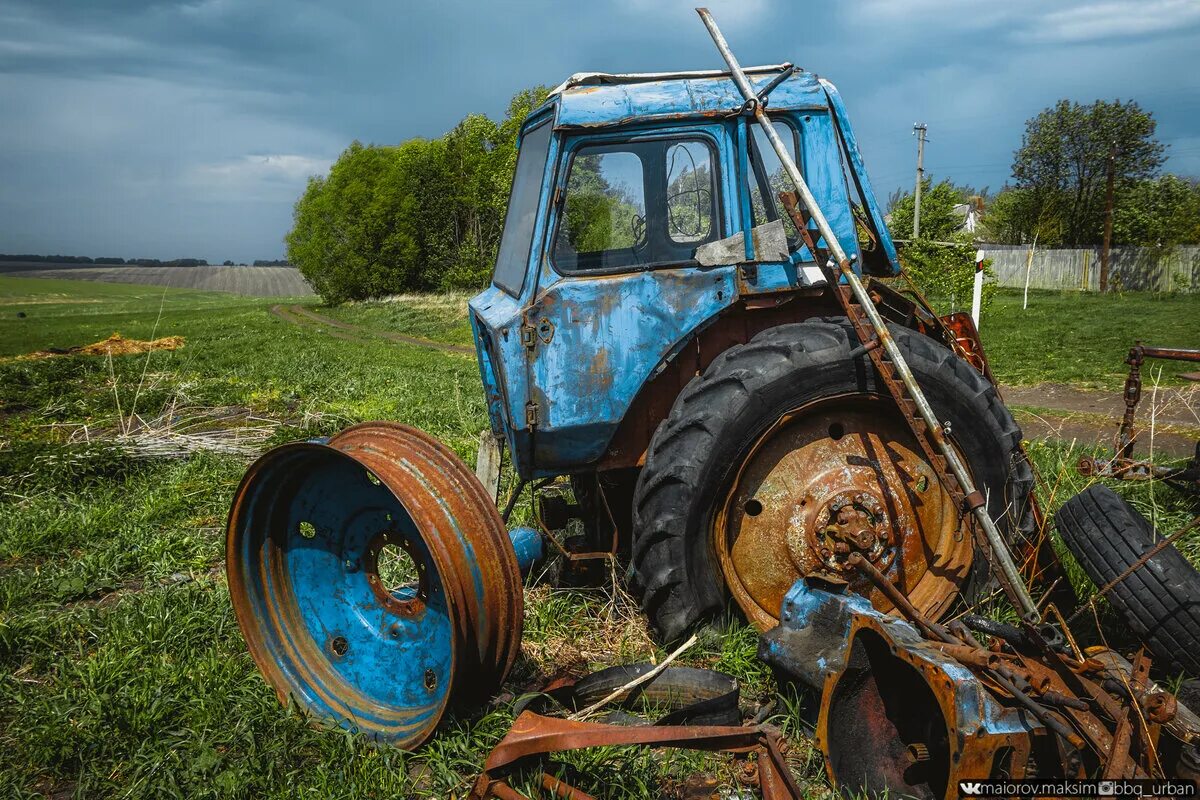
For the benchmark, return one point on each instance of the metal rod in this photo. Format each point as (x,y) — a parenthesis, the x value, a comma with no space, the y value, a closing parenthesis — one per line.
(1019,594)
(1171,353)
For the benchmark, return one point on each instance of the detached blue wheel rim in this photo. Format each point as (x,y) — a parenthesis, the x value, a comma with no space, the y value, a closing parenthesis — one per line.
(309,532)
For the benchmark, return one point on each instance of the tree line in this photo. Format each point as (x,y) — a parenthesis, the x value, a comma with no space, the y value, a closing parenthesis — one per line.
(1059,192)
(427,214)
(129,262)
(103,261)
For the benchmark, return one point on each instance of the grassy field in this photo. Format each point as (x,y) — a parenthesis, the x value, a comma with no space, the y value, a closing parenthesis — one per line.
(243,280)
(1083,338)
(122,671)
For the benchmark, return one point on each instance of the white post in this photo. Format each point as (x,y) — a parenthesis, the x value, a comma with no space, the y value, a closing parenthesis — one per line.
(977,297)
(1028,265)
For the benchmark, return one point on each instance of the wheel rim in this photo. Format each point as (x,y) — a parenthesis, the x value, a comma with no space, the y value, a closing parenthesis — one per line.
(837,476)
(373,580)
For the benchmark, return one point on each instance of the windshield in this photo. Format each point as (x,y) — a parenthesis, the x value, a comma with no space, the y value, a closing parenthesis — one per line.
(522,210)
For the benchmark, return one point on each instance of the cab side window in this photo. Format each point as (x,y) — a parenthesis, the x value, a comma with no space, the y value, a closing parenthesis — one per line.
(767,177)
(633,205)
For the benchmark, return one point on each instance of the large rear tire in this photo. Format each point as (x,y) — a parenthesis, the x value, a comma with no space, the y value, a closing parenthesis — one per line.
(787,453)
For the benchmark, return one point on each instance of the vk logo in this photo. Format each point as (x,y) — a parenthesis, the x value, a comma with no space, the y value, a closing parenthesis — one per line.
(968,788)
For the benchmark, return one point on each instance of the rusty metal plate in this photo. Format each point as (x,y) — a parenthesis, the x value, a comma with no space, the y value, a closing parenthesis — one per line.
(836,477)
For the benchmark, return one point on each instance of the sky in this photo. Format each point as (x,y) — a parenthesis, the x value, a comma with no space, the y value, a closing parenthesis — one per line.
(159,129)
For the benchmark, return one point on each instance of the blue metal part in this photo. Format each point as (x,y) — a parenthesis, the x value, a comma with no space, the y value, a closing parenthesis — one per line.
(813,635)
(529,546)
(858,173)
(374,581)
(558,398)
(673,99)
(318,614)
(884,689)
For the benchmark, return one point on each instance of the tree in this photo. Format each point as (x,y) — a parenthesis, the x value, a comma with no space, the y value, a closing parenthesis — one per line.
(942,271)
(423,215)
(1158,213)
(1064,158)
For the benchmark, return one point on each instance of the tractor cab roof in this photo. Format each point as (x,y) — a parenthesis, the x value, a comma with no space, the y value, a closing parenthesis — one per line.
(596,99)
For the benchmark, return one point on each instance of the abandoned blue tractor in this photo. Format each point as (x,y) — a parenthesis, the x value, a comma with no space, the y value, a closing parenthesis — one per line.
(671,363)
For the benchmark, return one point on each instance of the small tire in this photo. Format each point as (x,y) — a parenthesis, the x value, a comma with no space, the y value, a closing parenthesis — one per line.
(1160,601)
(715,421)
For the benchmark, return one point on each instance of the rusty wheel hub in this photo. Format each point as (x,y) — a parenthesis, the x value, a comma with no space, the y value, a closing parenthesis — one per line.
(851,522)
(832,478)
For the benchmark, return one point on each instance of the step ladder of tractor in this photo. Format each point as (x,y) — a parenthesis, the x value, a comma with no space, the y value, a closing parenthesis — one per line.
(868,337)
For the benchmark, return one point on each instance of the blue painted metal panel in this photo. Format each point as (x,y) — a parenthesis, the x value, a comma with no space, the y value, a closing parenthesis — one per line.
(496,318)
(825,176)
(612,332)
(620,104)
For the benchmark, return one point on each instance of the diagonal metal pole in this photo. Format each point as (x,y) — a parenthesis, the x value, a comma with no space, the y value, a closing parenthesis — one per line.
(1019,594)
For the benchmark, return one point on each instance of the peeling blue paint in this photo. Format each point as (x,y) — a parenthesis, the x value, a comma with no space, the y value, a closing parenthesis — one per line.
(559,400)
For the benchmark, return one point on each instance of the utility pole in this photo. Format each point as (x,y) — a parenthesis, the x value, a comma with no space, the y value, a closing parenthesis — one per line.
(1108,215)
(919,129)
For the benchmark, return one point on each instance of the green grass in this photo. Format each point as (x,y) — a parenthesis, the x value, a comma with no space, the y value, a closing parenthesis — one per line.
(1083,338)
(127,676)
(122,671)
(441,318)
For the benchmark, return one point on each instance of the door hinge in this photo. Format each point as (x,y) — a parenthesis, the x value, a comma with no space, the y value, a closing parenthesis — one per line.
(528,335)
(531,414)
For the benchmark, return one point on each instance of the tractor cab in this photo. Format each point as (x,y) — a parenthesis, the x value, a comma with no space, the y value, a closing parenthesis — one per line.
(645,213)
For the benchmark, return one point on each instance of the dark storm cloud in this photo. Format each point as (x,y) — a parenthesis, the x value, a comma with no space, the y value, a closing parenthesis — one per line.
(169,129)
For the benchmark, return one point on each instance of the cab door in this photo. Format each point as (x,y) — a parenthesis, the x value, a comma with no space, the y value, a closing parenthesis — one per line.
(619,286)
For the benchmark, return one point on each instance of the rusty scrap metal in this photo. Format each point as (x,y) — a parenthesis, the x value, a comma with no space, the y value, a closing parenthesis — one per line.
(908,395)
(849,505)
(1122,465)
(536,735)
(930,434)
(911,706)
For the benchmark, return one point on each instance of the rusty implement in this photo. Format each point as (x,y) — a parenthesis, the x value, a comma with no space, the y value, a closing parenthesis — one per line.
(534,735)
(897,713)
(1122,465)
(374,581)
(909,707)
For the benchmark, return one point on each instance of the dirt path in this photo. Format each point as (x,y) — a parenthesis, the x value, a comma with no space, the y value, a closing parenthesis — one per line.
(1059,411)
(1174,407)
(299,315)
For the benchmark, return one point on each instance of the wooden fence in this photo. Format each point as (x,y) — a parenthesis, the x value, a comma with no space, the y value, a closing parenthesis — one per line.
(1138,269)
